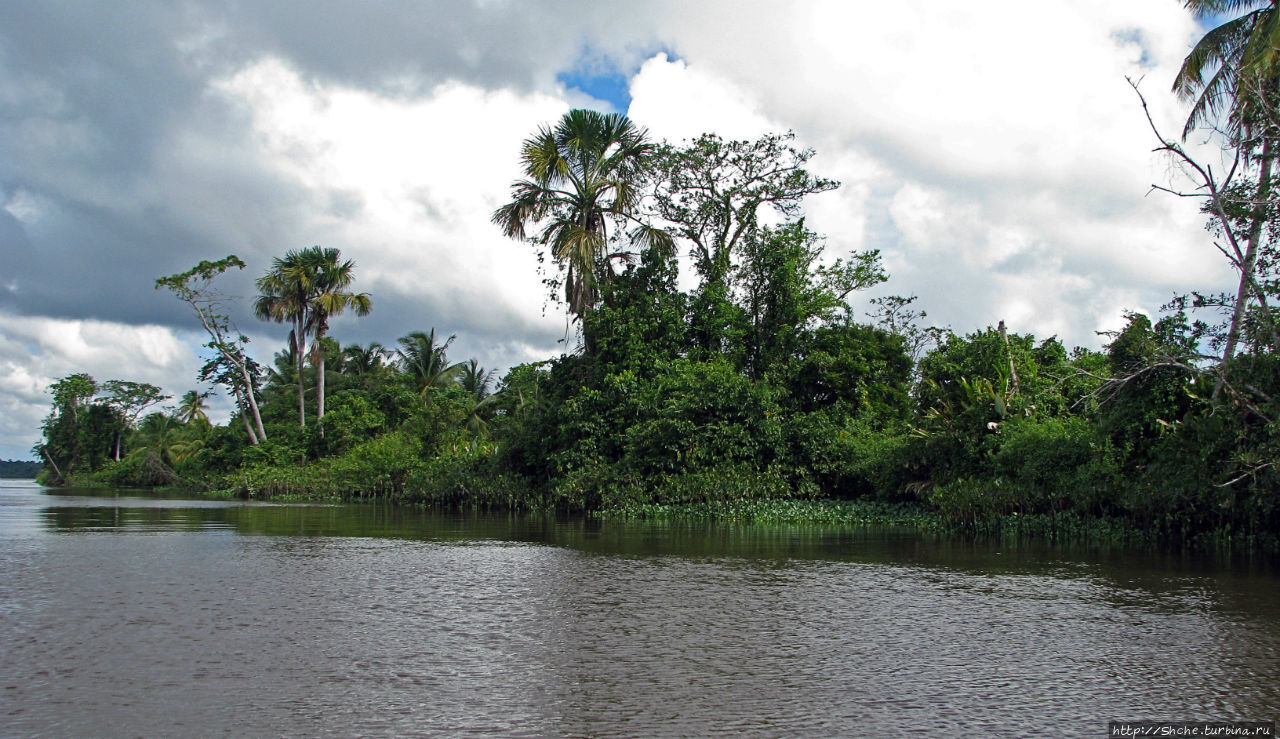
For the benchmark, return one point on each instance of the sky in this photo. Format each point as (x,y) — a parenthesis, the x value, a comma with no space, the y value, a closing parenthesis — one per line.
(993,152)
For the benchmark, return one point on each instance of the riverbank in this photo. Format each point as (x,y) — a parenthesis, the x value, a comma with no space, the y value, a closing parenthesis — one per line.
(726,495)
(1061,528)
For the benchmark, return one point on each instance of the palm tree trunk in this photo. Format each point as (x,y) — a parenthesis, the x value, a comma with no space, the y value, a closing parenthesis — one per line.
(1251,251)
(299,349)
(317,361)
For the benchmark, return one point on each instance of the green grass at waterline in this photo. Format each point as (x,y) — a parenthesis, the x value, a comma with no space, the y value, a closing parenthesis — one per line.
(828,512)
(1048,528)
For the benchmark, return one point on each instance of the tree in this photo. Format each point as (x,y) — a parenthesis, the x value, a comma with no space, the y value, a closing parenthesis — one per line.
(305,288)
(365,360)
(788,293)
(1242,87)
(475,380)
(580,176)
(66,430)
(231,364)
(894,314)
(425,362)
(642,322)
(130,399)
(331,280)
(162,444)
(710,194)
(191,408)
(285,295)
(73,392)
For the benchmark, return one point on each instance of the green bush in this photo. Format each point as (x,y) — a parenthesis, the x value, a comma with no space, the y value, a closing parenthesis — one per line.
(1058,463)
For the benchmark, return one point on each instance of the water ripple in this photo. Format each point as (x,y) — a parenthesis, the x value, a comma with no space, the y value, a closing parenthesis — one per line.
(172,624)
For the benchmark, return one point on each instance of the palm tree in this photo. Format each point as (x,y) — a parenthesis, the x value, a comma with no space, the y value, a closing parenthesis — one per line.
(286,293)
(364,360)
(306,287)
(480,402)
(475,380)
(1239,57)
(191,409)
(580,175)
(1232,76)
(424,361)
(161,443)
(331,280)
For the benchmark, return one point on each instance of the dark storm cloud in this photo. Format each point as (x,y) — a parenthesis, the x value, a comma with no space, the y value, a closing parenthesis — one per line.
(91,94)
(93,97)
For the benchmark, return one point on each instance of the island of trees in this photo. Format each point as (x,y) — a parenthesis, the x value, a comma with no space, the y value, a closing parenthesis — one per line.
(758,388)
(14,469)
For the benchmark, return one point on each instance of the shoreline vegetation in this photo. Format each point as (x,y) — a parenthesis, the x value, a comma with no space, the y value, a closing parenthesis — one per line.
(765,391)
(1050,529)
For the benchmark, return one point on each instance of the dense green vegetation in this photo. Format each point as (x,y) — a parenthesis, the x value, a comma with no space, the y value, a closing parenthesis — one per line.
(760,385)
(13,469)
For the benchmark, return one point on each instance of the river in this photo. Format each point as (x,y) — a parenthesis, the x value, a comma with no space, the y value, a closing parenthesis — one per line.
(123,614)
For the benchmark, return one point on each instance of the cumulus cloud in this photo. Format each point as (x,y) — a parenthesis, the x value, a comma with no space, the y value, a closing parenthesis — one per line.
(406,188)
(35,352)
(995,154)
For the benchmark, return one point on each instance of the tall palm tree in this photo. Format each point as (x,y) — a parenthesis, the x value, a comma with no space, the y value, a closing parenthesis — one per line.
(331,280)
(1227,69)
(285,296)
(424,361)
(580,176)
(306,287)
(1232,77)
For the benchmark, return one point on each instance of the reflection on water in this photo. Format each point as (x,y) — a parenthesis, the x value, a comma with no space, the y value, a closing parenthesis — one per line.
(122,614)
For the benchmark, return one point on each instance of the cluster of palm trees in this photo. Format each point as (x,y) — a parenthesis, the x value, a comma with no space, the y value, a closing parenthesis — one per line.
(163,441)
(304,288)
(423,361)
(307,287)
(420,363)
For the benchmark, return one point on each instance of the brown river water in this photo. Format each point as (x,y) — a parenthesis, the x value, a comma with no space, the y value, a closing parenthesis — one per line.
(128,615)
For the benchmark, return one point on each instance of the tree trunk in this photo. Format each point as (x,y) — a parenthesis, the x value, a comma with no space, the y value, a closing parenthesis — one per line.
(299,350)
(252,394)
(244,417)
(56,472)
(1251,251)
(317,361)
(253,438)
(1010,392)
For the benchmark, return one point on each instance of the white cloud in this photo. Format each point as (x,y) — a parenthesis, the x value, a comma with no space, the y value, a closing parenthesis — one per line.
(35,352)
(405,186)
(676,101)
(995,153)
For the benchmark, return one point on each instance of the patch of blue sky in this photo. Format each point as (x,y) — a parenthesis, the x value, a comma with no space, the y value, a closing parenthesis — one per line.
(1213,20)
(606,78)
(611,87)
(1136,37)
